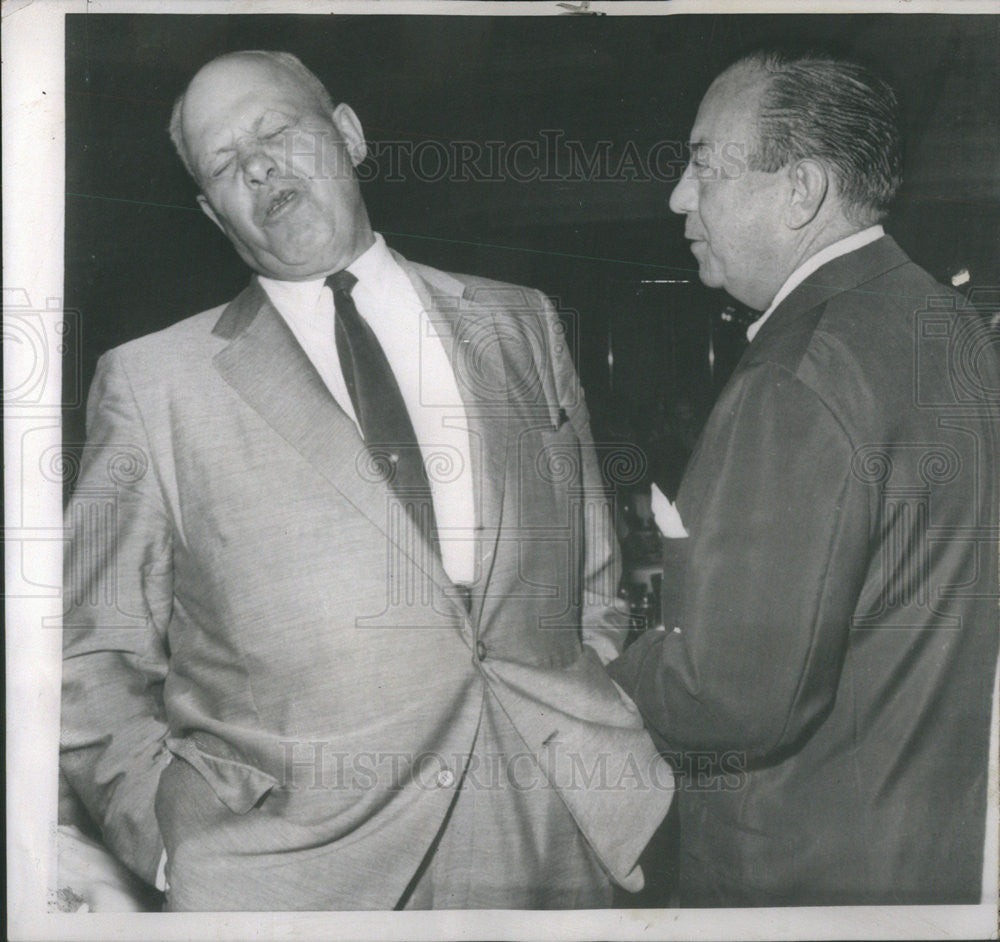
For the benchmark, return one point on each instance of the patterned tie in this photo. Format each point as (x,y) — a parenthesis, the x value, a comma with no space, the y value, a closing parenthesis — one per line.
(379,406)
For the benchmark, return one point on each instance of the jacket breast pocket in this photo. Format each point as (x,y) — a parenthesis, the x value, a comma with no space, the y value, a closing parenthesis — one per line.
(236,783)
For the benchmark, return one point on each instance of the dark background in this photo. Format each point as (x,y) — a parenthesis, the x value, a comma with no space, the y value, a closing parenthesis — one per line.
(139,255)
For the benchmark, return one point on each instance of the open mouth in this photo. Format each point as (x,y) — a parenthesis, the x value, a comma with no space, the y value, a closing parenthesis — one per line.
(280,201)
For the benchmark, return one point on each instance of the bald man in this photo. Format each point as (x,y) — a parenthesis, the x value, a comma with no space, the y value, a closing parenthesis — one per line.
(354,653)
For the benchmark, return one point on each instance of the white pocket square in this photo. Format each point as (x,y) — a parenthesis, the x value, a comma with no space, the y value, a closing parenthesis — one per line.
(667,517)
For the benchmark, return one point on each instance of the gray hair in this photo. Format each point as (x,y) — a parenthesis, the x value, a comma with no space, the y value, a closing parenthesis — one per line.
(285,60)
(836,111)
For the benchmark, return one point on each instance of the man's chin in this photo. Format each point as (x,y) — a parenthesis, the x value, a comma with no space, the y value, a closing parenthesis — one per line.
(710,279)
(293,262)
(709,276)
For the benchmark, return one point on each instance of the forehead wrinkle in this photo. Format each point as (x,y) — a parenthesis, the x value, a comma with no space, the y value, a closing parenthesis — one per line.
(253,129)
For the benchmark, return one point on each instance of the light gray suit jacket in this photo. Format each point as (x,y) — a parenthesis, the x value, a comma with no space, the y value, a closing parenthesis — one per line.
(245,593)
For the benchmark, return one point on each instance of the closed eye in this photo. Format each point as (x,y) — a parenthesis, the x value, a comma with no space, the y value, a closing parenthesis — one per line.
(700,155)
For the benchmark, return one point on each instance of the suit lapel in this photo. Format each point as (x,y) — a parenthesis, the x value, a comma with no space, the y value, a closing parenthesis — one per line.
(844,273)
(468,331)
(265,365)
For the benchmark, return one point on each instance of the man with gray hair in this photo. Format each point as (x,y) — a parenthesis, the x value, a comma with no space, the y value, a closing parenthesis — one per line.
(345,645)
(834,626)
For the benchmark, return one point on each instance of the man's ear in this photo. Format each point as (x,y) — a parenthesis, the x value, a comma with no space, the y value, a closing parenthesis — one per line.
(206,208)
(351,131)
(810,184)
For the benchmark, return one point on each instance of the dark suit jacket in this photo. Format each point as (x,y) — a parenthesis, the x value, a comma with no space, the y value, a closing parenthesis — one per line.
(245,595)
(836,603)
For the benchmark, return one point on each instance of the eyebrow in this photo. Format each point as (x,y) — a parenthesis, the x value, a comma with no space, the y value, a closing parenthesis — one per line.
(254,128)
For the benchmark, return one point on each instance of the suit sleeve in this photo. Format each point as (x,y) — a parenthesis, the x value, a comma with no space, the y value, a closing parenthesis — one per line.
(605,623)
(778,550)
(118,592)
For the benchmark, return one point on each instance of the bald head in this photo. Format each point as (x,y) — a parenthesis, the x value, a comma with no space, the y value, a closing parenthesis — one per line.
(231,66)
(275,164)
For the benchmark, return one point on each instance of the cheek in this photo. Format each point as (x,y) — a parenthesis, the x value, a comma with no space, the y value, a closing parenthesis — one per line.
(714,212)
(307,164)
(244,232)
(233,210)
(315,158)
(738,256)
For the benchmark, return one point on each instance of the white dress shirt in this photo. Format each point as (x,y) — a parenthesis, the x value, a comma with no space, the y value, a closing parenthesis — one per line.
(811,264)
(387,300)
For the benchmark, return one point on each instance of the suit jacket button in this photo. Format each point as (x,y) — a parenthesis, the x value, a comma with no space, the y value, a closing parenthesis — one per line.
(446,778)
(480,650)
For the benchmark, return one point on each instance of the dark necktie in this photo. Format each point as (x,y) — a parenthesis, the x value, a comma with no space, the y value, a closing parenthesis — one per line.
(379,406)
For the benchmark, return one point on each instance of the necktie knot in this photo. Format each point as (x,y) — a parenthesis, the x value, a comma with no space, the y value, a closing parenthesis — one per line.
(341,282)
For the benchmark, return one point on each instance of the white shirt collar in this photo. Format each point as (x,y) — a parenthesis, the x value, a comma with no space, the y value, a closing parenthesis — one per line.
(850,243)
(292,296)
(371,265)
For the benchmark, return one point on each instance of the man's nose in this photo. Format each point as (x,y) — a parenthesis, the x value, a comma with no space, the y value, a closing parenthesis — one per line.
(684,198)
(257,167)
